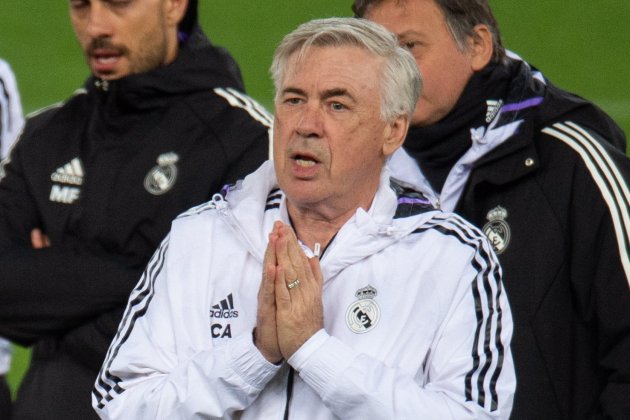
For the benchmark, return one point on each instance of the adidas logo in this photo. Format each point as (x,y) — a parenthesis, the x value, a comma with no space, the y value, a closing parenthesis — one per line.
(224,309)
(494,106)
(70,173)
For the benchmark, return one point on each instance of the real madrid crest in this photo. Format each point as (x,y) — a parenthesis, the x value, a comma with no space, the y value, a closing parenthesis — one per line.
(363,315)
(497,229)
(162,177)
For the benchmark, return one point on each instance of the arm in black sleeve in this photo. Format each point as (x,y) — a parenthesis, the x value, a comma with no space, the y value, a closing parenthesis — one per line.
(89,342)
(243,127)
(600,271)
(47,291)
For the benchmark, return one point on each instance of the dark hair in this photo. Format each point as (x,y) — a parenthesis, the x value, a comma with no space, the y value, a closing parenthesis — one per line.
(461,17)
(189,20)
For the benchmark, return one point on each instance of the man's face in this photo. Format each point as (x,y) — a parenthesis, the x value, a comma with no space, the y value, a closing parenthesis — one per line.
(420,26)
(123,37)
(329,139)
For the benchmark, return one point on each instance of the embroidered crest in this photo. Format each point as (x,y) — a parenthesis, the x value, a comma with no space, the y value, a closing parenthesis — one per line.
(497,229)
(364,314)
(162,177)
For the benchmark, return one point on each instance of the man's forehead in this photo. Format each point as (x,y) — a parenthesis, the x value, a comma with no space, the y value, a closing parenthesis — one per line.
(333,53)
(328,65)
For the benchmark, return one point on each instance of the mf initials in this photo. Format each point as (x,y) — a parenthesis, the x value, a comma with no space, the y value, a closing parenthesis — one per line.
(66,195)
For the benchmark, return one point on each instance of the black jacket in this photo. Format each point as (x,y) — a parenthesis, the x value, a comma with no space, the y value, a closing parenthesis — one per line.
(553,198)
(103,175)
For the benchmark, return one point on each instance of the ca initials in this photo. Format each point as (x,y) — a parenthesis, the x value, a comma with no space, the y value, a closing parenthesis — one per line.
(219,332)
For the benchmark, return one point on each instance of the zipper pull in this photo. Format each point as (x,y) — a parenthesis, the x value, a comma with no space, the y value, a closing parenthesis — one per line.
(219,203)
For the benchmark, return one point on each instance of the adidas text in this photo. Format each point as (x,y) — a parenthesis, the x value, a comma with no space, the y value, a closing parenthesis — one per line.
(225,314)
(70,173)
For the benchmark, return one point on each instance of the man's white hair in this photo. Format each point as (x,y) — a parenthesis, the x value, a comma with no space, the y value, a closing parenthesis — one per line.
(401,82)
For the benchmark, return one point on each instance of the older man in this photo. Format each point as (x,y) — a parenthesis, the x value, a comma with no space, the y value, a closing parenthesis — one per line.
(346,323)
(534,167)
(92,185)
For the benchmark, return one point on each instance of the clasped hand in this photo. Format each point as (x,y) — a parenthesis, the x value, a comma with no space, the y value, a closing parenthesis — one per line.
(289,312)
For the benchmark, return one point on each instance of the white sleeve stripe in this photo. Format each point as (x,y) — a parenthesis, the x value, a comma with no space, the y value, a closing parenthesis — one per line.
(610,165)
(486,289)
(489,316)
(107,384)
(239,100)
(606,176)
(4,109)
(252,103)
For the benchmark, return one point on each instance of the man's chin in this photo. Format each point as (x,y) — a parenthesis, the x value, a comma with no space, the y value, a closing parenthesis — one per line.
(108,75)
(109,72)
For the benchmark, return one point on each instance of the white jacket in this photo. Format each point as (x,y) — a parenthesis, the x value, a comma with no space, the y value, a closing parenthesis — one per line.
(417,325)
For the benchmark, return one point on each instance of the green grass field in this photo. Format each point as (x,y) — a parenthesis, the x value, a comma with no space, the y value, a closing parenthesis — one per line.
(580,45)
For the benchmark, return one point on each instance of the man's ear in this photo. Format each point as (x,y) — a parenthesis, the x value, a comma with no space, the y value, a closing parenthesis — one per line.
(395,134)
(481,47)
(175,11)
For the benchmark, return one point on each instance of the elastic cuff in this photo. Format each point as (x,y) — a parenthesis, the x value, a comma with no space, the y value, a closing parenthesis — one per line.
(322,359)
(300,357)
(249,363)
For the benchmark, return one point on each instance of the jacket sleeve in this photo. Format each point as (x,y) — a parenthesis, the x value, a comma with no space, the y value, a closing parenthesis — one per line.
(469,373)
(33,304)
(244,130)
(88,343)
(600,261)
(48,291)
(157,368)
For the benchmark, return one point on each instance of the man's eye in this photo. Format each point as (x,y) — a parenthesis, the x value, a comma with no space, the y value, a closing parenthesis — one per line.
(293,101)
(337,106)
(409,45)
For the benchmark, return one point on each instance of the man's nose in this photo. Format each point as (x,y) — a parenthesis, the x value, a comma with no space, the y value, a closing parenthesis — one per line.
(310,122)
(99,20)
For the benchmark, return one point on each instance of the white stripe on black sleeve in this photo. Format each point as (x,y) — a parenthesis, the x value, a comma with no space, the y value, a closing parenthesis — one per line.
(606,176)
(240,100)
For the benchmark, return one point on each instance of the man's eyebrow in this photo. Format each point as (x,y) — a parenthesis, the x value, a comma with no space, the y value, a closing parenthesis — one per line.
(331,93)
(293,90)
(409,34)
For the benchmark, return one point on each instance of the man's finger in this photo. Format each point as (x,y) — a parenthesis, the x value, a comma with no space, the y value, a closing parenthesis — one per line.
(39,240)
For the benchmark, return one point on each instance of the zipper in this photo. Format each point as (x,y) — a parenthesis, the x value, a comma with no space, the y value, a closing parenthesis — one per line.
(289,393)
(224,210)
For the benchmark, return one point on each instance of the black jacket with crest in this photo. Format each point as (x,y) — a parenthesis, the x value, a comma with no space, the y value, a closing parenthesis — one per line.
(103,175)
(550,188)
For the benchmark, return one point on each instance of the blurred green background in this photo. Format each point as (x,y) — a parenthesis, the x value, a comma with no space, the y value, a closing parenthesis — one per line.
(580,45)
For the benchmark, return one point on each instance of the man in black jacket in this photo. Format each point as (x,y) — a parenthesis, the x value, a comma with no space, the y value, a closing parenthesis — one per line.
(92,185)
(540,171)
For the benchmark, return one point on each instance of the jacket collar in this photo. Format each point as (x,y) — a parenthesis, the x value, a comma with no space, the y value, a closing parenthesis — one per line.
(507,139)
(365,234)
(199,66)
